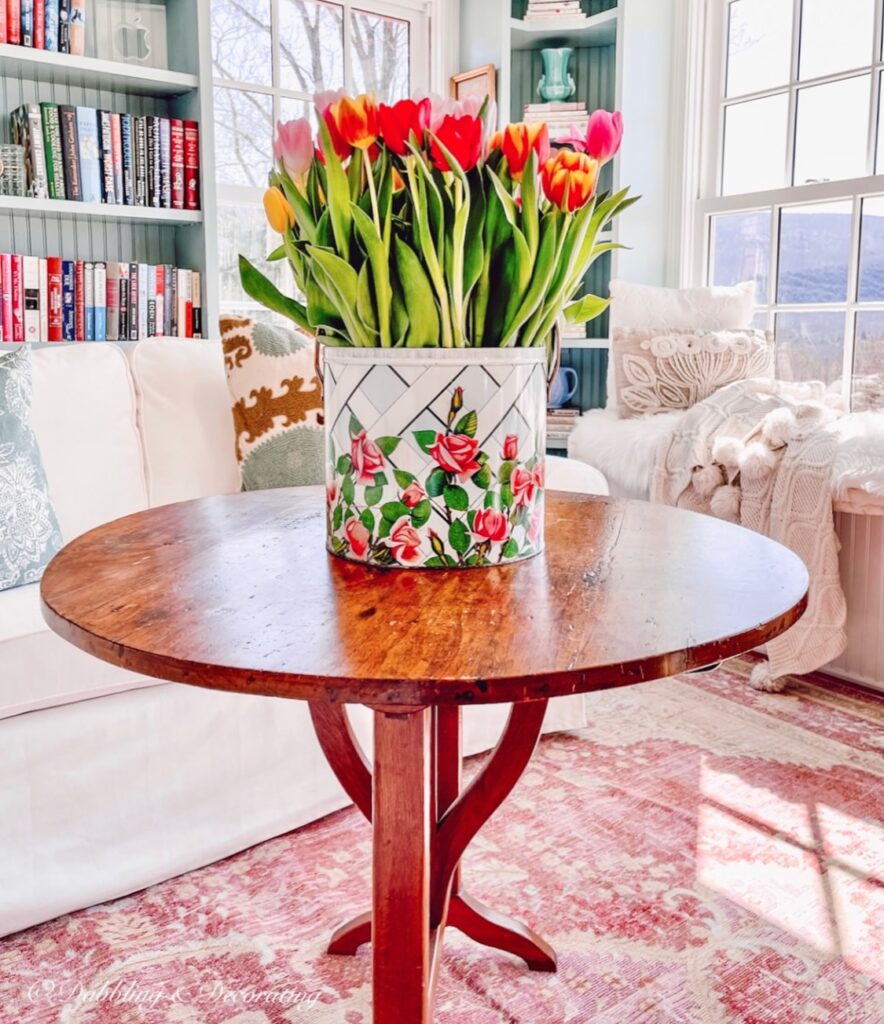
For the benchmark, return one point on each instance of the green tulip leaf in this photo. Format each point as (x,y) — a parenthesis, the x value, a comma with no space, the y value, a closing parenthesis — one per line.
(259,288)
(587,308)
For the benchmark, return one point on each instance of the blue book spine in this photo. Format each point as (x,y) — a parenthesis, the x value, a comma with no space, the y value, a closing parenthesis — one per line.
(100,290)
(67,300)
(51,25)
(27,22)
(90,156)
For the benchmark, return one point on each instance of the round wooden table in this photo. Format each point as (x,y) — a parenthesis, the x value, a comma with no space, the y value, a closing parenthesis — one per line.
(238,593)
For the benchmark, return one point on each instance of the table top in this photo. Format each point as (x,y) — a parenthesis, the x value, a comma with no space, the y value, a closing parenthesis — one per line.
(238,593)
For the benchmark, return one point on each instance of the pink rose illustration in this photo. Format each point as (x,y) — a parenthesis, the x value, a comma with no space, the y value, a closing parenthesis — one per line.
(413,494)
(510,447)
(358,536)
(455,453)
(490,524)
(539,473)
(331,492)
(523,485)
(367,458)
(534,530)
(404,541)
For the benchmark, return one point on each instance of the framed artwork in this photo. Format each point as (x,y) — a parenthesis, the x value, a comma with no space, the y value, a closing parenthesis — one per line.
(480,82)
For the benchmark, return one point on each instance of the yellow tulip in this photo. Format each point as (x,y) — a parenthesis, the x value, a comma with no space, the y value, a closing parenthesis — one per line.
(280,214)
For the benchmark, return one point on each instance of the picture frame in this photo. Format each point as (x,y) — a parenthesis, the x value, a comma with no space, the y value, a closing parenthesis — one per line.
(479,82)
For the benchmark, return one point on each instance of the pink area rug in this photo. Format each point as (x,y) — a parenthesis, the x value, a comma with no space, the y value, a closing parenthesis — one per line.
(701,854)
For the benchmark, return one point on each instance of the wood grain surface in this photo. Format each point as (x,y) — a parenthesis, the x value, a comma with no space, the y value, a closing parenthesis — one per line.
(238,593)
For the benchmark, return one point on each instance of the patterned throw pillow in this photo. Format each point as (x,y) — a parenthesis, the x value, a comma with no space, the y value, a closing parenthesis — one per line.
(29,533)
(659,370)
(277,404)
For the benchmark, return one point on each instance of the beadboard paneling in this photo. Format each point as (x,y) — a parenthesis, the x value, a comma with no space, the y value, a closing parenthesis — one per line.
(591,365)
(519,7)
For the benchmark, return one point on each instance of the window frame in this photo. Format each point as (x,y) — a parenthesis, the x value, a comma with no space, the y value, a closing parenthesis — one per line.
(713,39)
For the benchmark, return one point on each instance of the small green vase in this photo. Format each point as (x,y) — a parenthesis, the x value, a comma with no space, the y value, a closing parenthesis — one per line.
(556,84)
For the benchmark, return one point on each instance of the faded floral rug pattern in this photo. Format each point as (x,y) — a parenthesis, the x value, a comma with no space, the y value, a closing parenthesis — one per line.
(701,854)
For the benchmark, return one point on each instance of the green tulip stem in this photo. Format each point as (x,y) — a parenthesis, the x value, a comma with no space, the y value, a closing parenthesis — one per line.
(372,191)
(457,266)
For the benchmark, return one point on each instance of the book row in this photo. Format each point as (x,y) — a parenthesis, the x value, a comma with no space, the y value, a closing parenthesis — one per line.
(76,300)
(97,156)
(58,25)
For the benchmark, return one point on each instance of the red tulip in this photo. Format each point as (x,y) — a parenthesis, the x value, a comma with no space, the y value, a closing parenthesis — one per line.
(604,135)
(569,179)
(462,137)
(324,102)
(517,140)
(405,121)
(356,120)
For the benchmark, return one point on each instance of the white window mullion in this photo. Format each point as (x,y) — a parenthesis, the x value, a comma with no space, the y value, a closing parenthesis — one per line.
(276,73)
(792,118)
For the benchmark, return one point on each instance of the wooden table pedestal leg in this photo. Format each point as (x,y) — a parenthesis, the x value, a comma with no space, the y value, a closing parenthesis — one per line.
(423,822)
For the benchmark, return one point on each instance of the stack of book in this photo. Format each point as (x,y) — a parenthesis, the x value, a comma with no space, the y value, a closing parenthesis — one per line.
(574,332)
(75,300)
(550,10)
(559,424)
(96,156)
(560,117)
(58,25)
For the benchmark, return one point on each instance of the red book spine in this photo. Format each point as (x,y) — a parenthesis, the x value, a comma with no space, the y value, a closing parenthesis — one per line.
(176,134)
(160,300)
(53,276)
(191,165)
(6,295)
(2,21)
(13,21)
(79,301)
(39,24)
(18,300)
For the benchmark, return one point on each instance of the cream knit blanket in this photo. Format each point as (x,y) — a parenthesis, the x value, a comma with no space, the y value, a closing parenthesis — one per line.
(761,453)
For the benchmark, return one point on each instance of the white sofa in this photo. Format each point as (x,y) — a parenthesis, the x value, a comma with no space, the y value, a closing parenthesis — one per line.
(112,781)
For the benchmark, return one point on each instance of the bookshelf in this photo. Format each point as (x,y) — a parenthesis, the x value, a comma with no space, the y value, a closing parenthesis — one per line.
(106,232)
(494,32)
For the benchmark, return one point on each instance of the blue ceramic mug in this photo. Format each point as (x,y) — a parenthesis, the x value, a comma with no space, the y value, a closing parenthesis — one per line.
(559,391)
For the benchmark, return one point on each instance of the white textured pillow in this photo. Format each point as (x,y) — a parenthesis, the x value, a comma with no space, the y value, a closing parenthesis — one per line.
(703,309)
(665,370)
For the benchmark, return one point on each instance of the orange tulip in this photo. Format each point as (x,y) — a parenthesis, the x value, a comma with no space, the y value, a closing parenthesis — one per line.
(356,120)
(280,214)
(517,140)
(569,179)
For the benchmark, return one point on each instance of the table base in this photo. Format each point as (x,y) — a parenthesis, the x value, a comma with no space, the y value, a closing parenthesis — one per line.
(423,822)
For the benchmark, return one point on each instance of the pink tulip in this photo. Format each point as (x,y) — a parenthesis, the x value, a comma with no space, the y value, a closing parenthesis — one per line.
(293,145)
(603,135)
(447,106)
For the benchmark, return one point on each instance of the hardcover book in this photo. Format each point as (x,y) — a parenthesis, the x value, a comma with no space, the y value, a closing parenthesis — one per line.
(50,25)
(54,331)
(127,143)
(64,26)
(53,151)
(112,301)
(13,22)
(139,126)
(31,289)
(153,160)
(18,299)
(44,299)
(133,302)
(191,165)
(143,271)
(39,25)
(100,299)
(70,151)
(79,300)
(27,23)
(165,162)
(3,39)
(117,157)
(151,302)
(26,129)
(88,301)
(90,155)
(197,304)
(6,295)
(78,27)
(68,311)
(123,300)
(108,191)
(177,162)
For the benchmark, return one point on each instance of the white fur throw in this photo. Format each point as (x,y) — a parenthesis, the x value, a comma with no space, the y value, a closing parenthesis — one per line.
(775,445)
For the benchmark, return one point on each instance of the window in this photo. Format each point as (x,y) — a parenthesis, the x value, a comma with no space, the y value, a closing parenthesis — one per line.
(269,57)
(792,189)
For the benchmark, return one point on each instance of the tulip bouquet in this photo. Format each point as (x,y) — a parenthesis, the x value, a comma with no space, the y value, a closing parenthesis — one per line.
(410,225)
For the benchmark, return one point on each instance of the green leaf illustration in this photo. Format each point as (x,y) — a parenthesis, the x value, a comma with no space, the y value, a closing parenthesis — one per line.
(367,519)
(393,510)
(490,500)
(388,445)
(343,465)
(506,496)
(436,482)
(426,439)
(373,495)
(506,472)
(348,489)
(403,479)
(482,478)
(420,514)
(468,424)
(337,517)
(456,498)
(355,426)
(510,549)
(458,537)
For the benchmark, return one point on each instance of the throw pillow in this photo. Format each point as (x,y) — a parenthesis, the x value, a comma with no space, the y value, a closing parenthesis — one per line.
(277,404)
(29,533)
(718,308)
(660,370)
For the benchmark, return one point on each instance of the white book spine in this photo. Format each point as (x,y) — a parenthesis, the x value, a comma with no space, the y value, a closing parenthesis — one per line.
(30,273)
(142,299)
(44,300)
